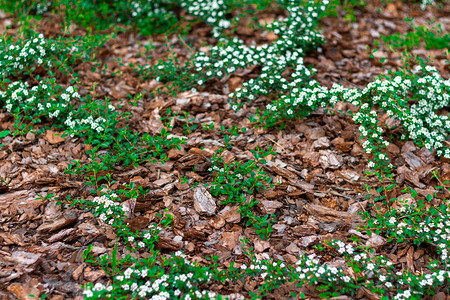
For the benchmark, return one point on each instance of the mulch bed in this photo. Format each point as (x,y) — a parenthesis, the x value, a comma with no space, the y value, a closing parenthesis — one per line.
(319,164)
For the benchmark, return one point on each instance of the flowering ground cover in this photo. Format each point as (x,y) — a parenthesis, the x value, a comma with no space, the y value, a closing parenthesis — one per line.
(224,149)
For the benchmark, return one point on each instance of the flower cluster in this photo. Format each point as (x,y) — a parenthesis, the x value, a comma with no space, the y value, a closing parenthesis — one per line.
(107,208)
(425,3)
(354,269)
(175,278)
(20,56)
(147,9)
(415,222)
(46,100)
(310,271)
(147,16)
(97,124)
(378,273)
(297,35)
(43,7)
(40,101)
(33,101)
(23,54)
(35,7)
(298,95)
(212,12)
(420,121)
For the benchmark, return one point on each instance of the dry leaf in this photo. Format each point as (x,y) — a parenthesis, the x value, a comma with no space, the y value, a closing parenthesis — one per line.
(54,137)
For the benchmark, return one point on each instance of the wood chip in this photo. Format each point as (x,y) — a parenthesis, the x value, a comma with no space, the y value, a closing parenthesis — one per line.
(204,203)
(54,137)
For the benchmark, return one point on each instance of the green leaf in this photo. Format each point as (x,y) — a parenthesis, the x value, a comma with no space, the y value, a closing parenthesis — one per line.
(4,133)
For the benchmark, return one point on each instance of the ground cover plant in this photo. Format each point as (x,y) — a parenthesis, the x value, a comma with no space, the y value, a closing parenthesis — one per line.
(434,38)
(222,149)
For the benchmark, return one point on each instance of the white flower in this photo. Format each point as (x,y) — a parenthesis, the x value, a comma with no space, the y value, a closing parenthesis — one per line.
(128,273)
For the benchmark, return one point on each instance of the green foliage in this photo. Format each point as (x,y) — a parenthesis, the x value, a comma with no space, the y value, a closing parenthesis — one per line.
(26,7)
(4,134)
(238,178)
(238,182)
(33,94)
(417,222)
(411,97)
(432,38)
(126,148)
(347,6)
(148,17)
(298,34)
(298,95)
